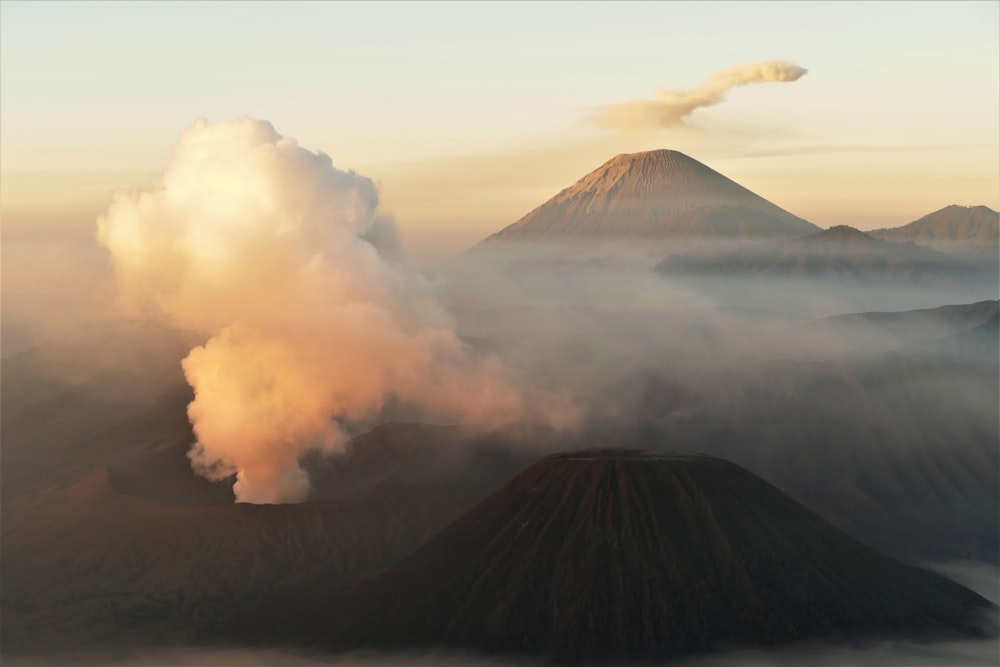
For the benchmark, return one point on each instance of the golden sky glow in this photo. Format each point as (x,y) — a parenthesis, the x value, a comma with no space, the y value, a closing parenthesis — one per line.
(468,116)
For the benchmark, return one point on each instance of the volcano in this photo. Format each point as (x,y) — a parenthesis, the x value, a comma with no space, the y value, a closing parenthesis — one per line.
(660,193)
(627,554)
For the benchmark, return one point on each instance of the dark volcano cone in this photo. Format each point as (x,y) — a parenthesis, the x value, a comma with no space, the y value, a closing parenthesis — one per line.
(632,554)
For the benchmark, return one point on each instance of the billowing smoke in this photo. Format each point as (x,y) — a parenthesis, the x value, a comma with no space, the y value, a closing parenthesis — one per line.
(292,269)
(671,107)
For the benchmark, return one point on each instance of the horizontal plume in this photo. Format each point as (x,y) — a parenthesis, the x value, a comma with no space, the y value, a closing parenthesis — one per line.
(292,270)
(671,107)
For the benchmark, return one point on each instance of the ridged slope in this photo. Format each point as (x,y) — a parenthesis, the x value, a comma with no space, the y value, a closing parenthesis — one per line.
(657,193)
(632,554)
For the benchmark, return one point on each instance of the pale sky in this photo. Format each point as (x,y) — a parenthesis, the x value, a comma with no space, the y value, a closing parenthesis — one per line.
(471,114)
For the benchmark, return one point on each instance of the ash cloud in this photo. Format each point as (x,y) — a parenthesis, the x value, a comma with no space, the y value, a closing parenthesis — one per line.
(292,269)
(671,107)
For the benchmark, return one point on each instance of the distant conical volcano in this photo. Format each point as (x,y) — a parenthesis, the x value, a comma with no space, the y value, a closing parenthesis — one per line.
(660,193)
(628,553)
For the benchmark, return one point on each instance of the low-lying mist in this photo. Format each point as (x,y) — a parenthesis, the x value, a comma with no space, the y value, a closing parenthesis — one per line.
(593,339)
(881,423)
(975,653)
(588,324)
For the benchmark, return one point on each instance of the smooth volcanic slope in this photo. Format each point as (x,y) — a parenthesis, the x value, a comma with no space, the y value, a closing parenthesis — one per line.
(630,554)
(660,193)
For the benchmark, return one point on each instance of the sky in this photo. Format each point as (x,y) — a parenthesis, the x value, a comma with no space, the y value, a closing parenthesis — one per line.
(469,115)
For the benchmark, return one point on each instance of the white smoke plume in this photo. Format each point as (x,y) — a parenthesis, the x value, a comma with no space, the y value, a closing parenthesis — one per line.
(671,107)
(292,269)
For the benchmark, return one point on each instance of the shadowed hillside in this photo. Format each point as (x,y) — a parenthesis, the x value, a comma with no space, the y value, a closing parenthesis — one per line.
(627,553)
(142,550)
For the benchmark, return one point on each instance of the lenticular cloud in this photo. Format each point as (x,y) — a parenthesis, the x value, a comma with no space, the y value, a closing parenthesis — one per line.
(290,267)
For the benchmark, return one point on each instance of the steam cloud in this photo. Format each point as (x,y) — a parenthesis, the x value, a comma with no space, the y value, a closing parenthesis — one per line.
(671,107)
(292,269)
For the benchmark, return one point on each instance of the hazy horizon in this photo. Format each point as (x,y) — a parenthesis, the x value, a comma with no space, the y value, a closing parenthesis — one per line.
(461,147)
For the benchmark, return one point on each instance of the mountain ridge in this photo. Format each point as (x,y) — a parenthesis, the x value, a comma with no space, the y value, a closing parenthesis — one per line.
(969,230)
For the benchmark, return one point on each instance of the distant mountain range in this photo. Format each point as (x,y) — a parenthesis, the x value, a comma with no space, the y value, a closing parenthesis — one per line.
(664,211)
(660,193)
(630,554)
(665,194)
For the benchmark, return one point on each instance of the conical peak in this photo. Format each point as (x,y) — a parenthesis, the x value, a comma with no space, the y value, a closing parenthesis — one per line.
(604,554)
(661,178)
(662,157)
(660,165)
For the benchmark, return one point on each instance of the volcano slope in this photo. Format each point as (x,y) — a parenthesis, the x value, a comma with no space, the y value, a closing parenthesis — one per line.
(661,193)
(626,554)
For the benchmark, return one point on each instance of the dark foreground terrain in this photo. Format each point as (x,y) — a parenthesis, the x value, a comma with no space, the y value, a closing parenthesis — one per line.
(110,539)
(627,554)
